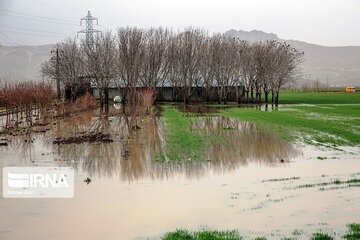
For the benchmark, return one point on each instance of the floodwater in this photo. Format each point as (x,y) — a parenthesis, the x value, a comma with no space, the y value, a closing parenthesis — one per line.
(131,196)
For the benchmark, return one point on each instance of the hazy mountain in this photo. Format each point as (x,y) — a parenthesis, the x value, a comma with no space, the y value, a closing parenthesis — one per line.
(23,62)
(335,65)
(253,35)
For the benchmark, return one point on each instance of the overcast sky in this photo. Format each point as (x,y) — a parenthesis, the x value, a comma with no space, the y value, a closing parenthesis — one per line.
(324,22)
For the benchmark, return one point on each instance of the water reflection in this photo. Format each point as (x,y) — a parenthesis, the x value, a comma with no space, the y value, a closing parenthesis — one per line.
(234,143)
(131,155)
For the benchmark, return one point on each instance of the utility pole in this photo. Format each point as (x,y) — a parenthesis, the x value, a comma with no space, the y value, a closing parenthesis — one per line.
(58,89)
(89,28)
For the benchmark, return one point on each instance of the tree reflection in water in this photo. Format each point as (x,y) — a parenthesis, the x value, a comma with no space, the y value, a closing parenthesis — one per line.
(131,156)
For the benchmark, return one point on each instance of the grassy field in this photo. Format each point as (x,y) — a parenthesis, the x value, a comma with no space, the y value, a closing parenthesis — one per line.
(317,118)
(319,98)
(325,119)
(181,143)
(352,233)
(333,125)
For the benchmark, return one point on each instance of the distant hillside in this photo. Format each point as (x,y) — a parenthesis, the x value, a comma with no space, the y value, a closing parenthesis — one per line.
(335,65)
(23,62)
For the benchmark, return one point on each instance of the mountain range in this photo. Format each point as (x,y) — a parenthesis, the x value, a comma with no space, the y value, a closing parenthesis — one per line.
(326,65)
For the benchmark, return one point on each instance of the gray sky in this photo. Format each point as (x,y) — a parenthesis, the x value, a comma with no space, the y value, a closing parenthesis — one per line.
(324,22)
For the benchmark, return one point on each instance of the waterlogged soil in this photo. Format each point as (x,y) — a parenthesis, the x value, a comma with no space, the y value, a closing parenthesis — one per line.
(251,180)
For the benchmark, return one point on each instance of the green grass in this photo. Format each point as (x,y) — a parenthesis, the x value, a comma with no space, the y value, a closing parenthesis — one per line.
(202,235)
(326,119)
(328,124)
(353,232)
(321,236)
(319,98)
(181,143)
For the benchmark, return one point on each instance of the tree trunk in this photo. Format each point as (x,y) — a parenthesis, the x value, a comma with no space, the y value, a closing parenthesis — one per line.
(106,95)
(277,98)
(101,96)
(266,97)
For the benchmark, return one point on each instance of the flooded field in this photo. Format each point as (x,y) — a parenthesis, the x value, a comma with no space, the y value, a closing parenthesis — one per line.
(250,180)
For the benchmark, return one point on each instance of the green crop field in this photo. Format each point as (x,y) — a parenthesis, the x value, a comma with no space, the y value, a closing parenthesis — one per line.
(326,119)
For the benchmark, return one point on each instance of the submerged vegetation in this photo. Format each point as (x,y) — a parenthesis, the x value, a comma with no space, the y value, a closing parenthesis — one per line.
(25,103)
(30,104)
(354,182)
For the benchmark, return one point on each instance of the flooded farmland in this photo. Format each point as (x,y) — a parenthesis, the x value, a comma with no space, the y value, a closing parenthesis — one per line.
(251,180)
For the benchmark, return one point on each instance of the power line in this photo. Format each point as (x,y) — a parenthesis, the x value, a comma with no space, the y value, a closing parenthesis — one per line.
(33,30)
(15,44)
(33,34)
(40,20)
(12,45)
(37,16)
(42,3)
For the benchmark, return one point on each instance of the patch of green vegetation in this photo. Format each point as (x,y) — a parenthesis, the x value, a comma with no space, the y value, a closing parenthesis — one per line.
(324,123)
(202,235)
(297,232)
(181,143)
(319,97)
(321,236)
(281,179)
(353,232)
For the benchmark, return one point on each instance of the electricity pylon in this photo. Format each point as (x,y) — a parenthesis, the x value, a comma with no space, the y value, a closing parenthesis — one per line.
(89,28)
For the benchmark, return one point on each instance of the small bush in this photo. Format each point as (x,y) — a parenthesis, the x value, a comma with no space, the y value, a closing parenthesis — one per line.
(202,235)
(321,236)
(353,232)
(84,103)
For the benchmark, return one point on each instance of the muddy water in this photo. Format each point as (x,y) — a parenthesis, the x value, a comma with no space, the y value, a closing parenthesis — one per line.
(131,196)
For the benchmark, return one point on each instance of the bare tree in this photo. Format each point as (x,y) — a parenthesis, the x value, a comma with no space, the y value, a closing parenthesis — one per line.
(287,67)
(187,61)
(154,69)
(99,61)
(66,67)
(189,47)
(131,51)
(206,69)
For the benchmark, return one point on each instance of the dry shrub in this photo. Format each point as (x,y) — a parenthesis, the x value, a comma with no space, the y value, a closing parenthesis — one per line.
(84,103)
(30,103)
(25,102)
(138,104)
(140,101)
(148,98)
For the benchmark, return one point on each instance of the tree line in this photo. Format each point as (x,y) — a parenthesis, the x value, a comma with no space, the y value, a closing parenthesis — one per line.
(185,60)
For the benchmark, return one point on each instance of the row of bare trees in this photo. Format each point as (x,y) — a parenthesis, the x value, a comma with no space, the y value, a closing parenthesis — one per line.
(186,60)
(24,103)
